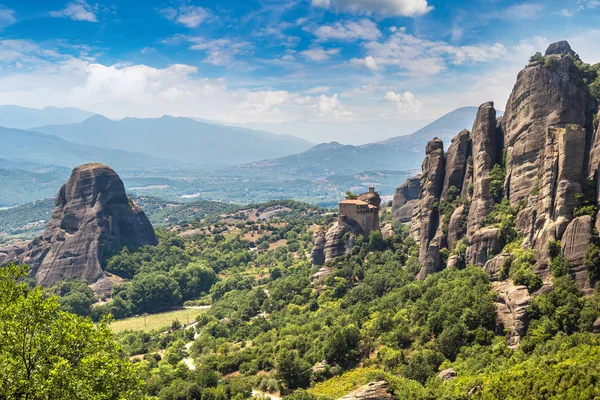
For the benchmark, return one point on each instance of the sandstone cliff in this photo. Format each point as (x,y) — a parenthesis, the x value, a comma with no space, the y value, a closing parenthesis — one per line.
(93,218)
(525,179)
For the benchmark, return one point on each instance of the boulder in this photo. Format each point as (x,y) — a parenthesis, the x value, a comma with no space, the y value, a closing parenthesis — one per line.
(387,231)
(560,48)
(511,309)
(372,391)
(487,150)
(92,219)
(481,245)
(447,374)
(596,326)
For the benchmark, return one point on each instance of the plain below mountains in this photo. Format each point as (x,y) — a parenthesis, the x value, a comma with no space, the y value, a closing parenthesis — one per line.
(398,153)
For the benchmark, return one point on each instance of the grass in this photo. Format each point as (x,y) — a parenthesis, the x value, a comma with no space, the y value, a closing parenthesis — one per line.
(155,321)
(341,385)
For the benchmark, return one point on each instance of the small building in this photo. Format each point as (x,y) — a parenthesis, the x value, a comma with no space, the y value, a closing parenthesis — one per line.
(362,210)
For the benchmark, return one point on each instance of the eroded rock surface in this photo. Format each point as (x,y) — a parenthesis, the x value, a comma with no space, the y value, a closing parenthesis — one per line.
(93,218)
(372,391)
(511,309)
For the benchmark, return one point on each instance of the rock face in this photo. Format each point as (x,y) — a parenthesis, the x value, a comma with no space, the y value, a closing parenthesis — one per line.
(373,391)
(340,238)
(487,150)
(456,163)
(318,251)
(541,158)
(575,241)
(447,374)
(93,217)
(405,198)
(425,216)
(511,309)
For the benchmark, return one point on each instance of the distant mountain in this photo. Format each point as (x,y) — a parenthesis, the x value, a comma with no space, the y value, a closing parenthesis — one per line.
(352,132)
(26,118)
(399,153)
(23,147)
(20,186)
(182,139)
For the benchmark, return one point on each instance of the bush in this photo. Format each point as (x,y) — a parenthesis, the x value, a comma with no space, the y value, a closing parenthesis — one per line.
(592,262)
(525,276)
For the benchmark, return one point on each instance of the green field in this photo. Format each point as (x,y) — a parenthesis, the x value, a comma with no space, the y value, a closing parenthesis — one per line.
(155,321)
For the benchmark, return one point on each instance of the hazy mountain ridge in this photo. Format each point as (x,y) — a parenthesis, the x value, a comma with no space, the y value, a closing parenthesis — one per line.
(177,138)
(26,118)
(398,153)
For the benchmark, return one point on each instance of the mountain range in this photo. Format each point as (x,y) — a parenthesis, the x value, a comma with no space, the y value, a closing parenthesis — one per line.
(397,153)
(27,118)
(182,139)
(182,158)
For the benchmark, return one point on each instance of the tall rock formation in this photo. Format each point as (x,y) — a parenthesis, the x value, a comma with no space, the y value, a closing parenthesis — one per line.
(487,150)
(426,216)
(542,158)
(93,218)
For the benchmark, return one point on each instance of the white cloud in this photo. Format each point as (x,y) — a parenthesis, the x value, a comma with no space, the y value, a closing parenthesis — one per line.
(318,54)
(78,10)
(331,106)
(405,102)
(367,62)
(364,29)
(7,17)
(523,11)
(417,56)
(401,8)
(220,52)
(577,6)
(187,15)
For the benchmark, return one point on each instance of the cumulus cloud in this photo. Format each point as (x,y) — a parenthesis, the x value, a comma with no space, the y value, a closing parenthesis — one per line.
(405,102)
(367,62)
(331,106)
(319,54)
(78,10)
(413,55)
(7,17)
(187,15)
(50,78)
(389,8)
(364,29)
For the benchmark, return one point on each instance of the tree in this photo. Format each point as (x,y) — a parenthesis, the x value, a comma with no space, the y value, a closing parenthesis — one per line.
(46,353)
(342,347)
(293,372)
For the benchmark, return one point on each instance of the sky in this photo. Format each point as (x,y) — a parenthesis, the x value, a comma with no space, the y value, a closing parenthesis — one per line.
(273,61)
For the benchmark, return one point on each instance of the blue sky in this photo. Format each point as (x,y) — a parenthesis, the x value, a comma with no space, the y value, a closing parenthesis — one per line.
(274,60)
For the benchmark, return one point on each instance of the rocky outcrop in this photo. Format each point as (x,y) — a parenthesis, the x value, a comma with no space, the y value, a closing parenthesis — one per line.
(456,164)
(575,241)
(426,216)
(447,374)
(93,218)
(487,150)
(340,238)
(543,97)
(457,226)
(511,309)
(318,251)
(495,265)
(405,198)
(482,245)
(560,48)
(372,391)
